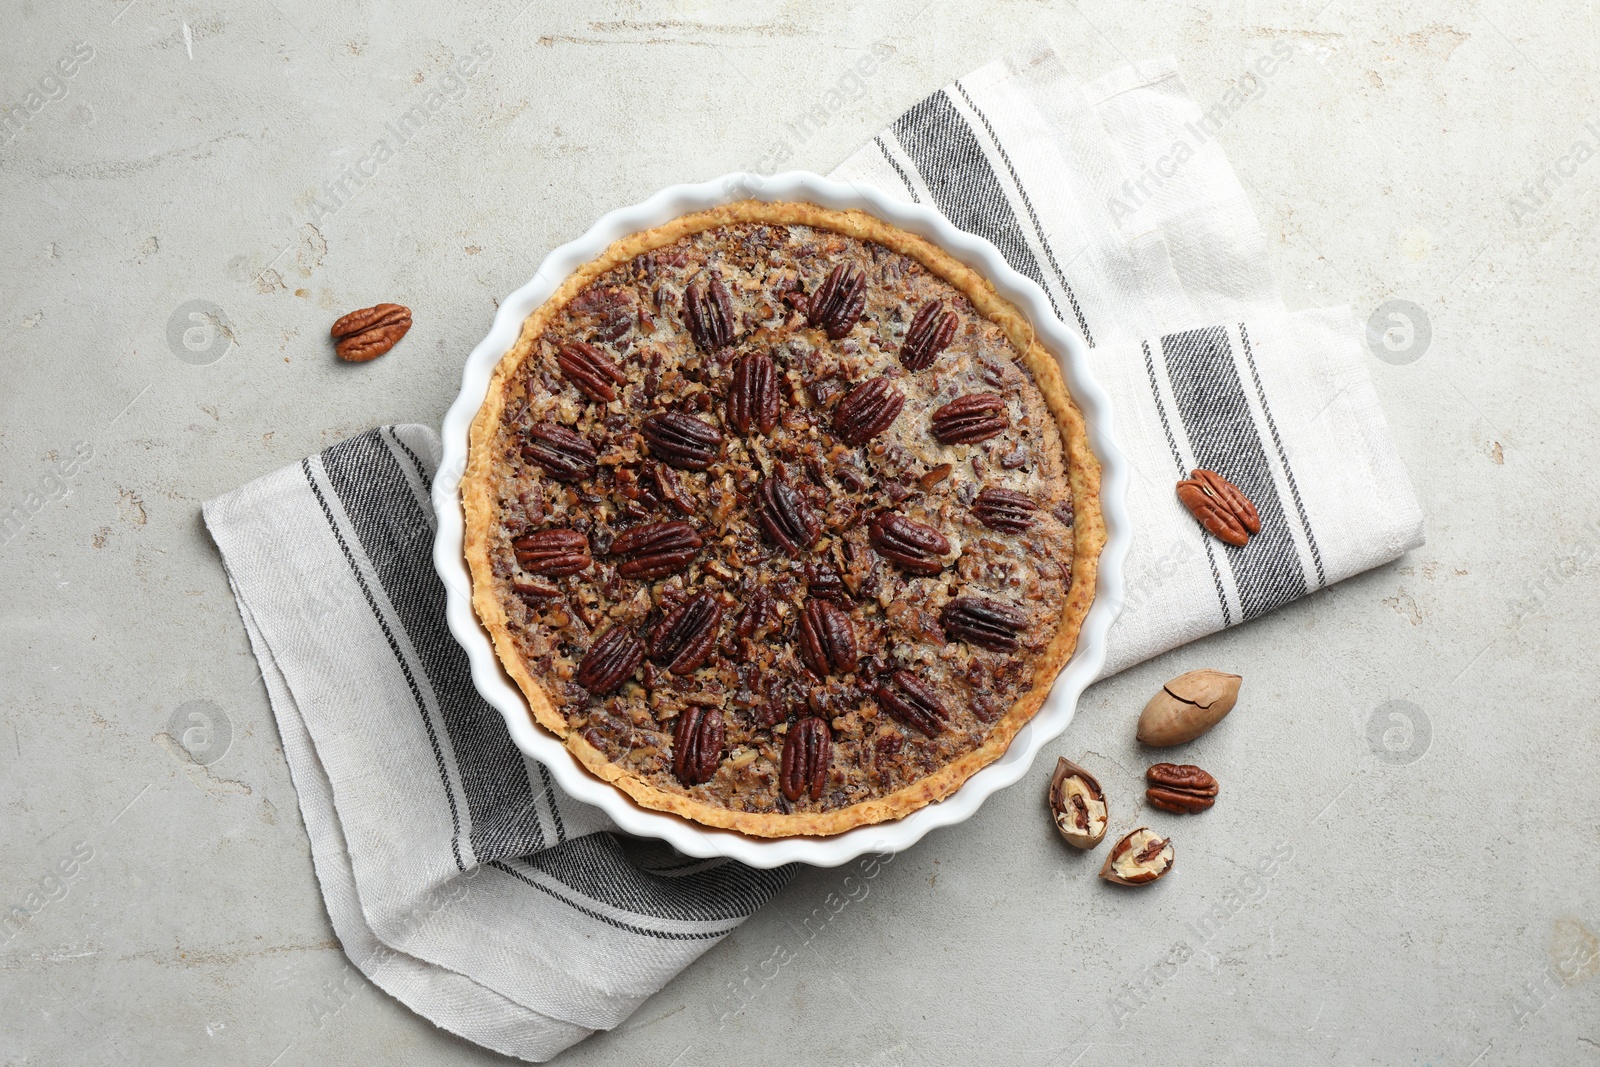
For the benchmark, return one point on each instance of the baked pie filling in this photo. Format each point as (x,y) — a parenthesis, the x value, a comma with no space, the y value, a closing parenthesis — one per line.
(781,519)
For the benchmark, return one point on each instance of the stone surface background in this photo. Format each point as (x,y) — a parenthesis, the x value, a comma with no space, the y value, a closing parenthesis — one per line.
(1415,755)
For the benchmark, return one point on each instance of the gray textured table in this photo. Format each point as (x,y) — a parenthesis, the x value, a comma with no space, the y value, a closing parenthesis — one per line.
(1406,861)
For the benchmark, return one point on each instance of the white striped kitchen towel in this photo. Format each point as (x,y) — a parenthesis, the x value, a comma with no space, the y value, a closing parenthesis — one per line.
(1115,198)
(458,877)
(462,882)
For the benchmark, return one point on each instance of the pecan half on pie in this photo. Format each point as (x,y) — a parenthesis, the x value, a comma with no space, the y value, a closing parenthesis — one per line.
(781,519)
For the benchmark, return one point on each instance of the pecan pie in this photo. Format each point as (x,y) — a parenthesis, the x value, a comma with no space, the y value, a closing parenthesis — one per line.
(781,519)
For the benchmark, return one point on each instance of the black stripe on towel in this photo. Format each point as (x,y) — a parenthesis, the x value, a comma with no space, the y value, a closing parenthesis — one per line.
(964,186)
(1224,438)
(1177,458)
(1033,216)
(396,533)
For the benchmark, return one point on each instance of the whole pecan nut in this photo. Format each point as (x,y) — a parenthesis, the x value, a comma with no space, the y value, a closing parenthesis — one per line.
(1221,508)
(610,661)
(785,516)
(1004,510)
(930,331)
(969,419)
(685,638)
(553,553)
(591,370)
(867,410)
(753,396)
(1181,788)
(564,455)
(912,702)
(827,639)
(370,332)
(655,549)
(914,547)
(839,300)
(986,623)
(807,751)
(697,745)
(682,440)
(708,315)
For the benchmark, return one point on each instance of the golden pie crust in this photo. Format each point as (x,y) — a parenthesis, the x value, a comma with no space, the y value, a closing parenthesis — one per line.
(1082,472)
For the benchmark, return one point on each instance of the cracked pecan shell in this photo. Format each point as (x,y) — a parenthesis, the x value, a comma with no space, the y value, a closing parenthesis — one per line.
(827,639)
(553,553)
(930,331)
(682,440)
(753,396)
(837,304)
(912,702)
(912,546)
(697,745)
(655,549)
(610,661)
(867,410)
(591,370)
(564,455)
(969,419)
(685,638)
(986,623)
(807,751)
(785,516)
(708,314)
(1004,510)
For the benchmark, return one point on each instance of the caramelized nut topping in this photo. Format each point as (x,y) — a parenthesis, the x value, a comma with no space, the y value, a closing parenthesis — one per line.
(682,440)
(807,751)
(914,547)
(969,419)
(553,553)
(564,455)
(697,745)
(839,301)
(591,370)
(866,411)
(656,549)
(929,333)
(611,661)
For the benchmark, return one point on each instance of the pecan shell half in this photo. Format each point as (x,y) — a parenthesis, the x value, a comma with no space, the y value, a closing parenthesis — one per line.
(697,745)
(915,548)
(785,516)
(685,638)
(1181,788)
(1141,857)
(564,455)
(986,623)
(913,702)
(867,410)
(708,315)
(827,639)
(971,418)
(591,370)
(1004,510)
(753,396)
(370,332)
(655,549)
(930,331)
(610,661)
(839,300)
(553,553)
(1220,507)
(807,751)
(682,440)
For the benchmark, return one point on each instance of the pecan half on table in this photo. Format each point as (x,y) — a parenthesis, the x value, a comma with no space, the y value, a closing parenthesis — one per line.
(370,332)
(1183,789)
